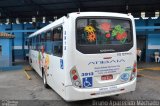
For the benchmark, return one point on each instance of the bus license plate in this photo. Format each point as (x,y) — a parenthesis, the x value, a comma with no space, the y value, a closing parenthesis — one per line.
(106,77)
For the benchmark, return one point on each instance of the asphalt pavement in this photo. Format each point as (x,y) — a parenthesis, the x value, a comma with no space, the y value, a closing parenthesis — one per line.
(15,86)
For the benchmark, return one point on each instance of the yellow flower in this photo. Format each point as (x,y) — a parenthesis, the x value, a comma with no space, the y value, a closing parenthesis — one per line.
(47,60)
(91,37)
(46,65)
(89,29)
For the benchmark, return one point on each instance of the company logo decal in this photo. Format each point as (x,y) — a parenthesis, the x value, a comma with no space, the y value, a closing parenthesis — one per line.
(124,77)
(106,62)
(124,54)
(129,68)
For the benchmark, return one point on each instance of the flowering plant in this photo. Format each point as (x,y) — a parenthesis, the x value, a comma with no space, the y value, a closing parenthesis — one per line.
(91,37)
(106,27)
(119,33)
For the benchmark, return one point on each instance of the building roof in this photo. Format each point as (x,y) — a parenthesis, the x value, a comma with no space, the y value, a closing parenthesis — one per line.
(26,9)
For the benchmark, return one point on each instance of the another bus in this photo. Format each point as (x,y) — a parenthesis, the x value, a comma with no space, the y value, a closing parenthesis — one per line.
(86,55)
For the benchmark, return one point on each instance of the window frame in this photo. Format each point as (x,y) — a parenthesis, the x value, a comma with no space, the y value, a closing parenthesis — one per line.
(44,41)
(88,49)
(59,40)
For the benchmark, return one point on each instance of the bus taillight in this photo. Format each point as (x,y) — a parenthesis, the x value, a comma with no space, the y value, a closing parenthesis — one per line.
(75,78)
(134,71)
(73,72)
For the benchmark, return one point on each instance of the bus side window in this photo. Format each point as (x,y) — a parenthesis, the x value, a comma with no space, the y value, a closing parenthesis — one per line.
(57,38)
(37,42)
(48,43)
(34,40)
(43,37)
(42,41)
(30,43)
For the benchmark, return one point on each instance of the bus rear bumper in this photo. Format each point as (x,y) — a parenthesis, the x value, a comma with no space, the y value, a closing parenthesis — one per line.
(74,94)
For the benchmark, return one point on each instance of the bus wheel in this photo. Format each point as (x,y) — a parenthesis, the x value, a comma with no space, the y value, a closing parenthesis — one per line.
(44,80)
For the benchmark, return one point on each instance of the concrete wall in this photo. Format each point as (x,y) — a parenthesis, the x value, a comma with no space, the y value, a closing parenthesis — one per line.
(20,41)
(151,35)
(6,56)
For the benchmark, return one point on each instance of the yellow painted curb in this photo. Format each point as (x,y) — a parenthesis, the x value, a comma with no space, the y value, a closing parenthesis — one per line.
(151,77)
(151,68)
(28,68)
(140,69)
(27,75)
(154,68)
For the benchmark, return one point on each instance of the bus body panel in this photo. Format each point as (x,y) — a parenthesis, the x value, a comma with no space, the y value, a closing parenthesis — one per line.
(88,66)
(95,66)
(55,74)
(72,92)
(33,61)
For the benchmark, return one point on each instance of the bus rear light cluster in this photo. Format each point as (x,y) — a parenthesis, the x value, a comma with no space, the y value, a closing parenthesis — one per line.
(75,78)
(73,72)
(134,72)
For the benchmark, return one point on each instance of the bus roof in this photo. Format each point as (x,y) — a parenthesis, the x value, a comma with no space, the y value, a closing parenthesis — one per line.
(113,14)
(61,20)
(55,24)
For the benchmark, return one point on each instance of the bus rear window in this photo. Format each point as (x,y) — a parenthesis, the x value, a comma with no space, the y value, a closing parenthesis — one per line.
(102,33)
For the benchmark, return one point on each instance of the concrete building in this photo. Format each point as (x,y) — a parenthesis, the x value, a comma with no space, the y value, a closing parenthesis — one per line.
(148,37)
(26,17)
(6,41)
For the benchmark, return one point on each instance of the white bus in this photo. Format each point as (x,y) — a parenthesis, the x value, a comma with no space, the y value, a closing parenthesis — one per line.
(86,55)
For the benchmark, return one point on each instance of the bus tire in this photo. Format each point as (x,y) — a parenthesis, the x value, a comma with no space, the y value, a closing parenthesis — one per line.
(44,80)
